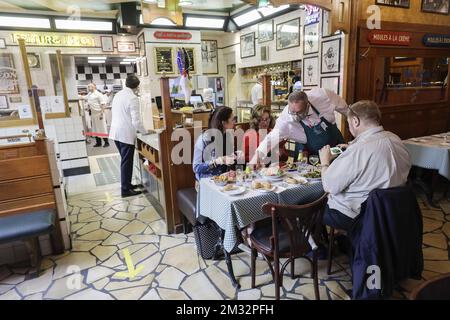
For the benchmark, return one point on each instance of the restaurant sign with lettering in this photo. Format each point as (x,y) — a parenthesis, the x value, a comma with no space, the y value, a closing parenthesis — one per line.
(172,35)
(393,38)
(436,40)
(53,39)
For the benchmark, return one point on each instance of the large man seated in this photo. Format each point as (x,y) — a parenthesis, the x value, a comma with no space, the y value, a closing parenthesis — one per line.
(375,159)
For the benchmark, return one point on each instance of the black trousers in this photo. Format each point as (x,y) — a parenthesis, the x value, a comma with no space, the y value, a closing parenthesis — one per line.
(126,164)
(337,220)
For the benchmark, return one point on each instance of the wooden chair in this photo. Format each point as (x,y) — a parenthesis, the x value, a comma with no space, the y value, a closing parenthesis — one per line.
(287,237)
(433,289)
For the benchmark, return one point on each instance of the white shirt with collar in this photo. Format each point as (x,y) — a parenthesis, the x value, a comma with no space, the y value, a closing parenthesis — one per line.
(288,127)
(376,159)
(126,118)
(257,93)
(94,100)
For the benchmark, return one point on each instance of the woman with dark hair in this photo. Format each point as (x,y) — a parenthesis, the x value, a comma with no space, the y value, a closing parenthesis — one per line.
(210,151)
(261,119)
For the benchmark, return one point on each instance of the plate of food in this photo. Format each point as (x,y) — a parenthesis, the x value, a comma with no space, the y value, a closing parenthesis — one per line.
(295,180)
(272,173)
(291,166)
(233,190)
(224,178)
(315,175)
(263,186)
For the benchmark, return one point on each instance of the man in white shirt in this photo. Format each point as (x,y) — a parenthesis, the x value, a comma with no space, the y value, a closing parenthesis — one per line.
(126,122)
(308,119)
(257,92)
(375,159)
(96,104)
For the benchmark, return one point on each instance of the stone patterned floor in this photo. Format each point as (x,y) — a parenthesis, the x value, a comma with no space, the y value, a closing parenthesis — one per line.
(103,225)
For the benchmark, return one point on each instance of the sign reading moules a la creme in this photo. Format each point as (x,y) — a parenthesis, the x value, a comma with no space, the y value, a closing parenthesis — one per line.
(54,39)
(172,35)
(392,38)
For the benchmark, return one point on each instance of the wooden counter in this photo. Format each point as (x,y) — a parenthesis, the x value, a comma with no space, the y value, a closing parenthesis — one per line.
(197,116)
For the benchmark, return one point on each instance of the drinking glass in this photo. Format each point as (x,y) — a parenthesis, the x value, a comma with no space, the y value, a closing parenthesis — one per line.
(314,160)
(239,175)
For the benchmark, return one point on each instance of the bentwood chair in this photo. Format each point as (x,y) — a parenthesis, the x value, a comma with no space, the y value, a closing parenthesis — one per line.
(288,236)
(434,289)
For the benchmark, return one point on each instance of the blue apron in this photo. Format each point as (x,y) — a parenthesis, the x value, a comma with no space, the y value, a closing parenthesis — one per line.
(322,134)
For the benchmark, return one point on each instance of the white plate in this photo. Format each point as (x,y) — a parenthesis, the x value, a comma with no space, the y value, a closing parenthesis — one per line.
(273,178)
(234,192)
(301,180)
(262,190)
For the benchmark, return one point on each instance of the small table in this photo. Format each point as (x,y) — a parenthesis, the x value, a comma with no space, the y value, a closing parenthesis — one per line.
(430,152)
(241,210)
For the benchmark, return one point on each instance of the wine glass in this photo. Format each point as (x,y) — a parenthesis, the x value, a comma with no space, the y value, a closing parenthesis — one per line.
(239,175)
(314,160)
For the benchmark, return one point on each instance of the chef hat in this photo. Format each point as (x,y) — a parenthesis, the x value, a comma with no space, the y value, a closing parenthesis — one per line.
(208,95)
(297,86)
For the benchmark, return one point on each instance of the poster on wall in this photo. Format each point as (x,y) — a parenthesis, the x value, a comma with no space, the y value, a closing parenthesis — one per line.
(107,43)
(436,6)
(331,56)
(265,31)
(394,3)
(288,34)
(8,75)
(310,71)
(164,60)
(311,39)
(248,45)
(209,57)
(330,83)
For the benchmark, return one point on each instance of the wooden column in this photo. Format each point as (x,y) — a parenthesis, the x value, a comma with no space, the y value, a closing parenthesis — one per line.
(267,89)
(59,61)
(36,113)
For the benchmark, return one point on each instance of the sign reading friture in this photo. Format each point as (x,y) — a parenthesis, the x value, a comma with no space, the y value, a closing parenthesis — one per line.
(393,38)
(436,40)
(54,39)
(172,35)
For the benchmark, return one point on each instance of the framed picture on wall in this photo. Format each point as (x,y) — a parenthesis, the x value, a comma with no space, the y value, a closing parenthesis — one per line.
(310,71)
(436,6)
(394,3)
(191,54)
(34,60)
(311,39)
(210,63)
(2,43)
(3,102)
(163,60)
(248,45)
(107,43)
(9,83)
(265,31)
(126,46)
(144,67)
(331,56)
(141,43)
(330,83)
(288,34)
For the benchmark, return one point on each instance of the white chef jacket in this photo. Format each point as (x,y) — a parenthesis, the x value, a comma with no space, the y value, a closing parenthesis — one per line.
(257,93)
(287,127)
(126,118)
(95,100)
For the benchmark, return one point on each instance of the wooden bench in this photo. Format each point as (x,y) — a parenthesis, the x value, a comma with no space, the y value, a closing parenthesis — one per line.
(28,227)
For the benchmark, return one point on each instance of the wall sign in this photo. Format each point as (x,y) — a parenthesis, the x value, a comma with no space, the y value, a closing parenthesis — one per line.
(52,39)
(393,38)
(172,35)
(436,40)
(126,46)
(312,14)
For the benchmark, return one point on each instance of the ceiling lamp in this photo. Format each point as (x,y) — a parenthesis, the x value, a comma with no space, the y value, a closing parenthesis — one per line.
(247,18)
(198,22)
(185,3)
(269,10)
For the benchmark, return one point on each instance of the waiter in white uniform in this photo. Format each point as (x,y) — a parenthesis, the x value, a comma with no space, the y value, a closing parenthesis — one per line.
(96,104)
(126,122)
(257,92)
(309,120)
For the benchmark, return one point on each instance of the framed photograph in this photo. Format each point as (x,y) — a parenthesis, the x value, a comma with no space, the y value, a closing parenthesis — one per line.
(310,71)
(3,102)
(436,6)
(9,83)
(331,56)
(163,60)
(311,39)
(210,63)
(126,46)
(107,43)
(2,43)
(325,23)
(288,34)
(265,31)
(191,54)
(15,99)
(394,3)
(248,45)
(34,60)
(330,83)
(141,43)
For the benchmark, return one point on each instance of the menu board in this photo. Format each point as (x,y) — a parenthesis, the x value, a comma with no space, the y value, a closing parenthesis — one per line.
(164,60)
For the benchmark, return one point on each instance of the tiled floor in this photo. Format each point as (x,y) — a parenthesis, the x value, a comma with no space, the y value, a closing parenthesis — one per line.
(103,225)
